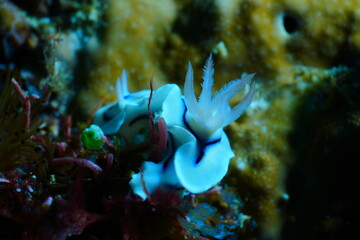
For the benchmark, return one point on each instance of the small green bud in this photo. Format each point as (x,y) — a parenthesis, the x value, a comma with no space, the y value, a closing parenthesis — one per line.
(52,179)
(91,137)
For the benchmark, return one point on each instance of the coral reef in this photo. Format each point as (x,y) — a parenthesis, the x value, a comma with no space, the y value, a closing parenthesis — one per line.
(312,33)
(264,169)
(265,37)
(134,40)
(292,174)
(325,138)
(50,35)
(261,36)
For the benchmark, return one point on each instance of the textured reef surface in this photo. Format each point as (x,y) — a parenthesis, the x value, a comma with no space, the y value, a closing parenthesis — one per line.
(86,156)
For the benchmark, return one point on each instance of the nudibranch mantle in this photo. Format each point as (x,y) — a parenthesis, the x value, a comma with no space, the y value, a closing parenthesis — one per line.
(200,152)
(130,112)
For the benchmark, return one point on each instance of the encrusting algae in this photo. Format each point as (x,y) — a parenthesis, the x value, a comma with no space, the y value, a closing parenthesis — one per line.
(287,32)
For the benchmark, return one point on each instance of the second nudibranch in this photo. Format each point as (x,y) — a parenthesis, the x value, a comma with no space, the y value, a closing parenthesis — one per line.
(199,151)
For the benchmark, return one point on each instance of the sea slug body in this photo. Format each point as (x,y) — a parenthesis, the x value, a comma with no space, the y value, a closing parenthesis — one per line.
(199,150)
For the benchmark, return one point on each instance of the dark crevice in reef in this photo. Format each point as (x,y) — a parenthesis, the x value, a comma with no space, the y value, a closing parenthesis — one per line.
(291,20)
(323,183)
(348,54)
(196,22)
(82,68)
(291,23)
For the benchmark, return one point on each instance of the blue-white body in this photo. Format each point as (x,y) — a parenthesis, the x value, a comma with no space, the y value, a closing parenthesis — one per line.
(200,151)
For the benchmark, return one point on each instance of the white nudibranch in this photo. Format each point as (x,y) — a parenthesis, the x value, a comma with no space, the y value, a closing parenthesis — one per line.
(198,150)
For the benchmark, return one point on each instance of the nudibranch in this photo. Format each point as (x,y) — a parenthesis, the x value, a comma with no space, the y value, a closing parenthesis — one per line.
(206,119)
(199,151)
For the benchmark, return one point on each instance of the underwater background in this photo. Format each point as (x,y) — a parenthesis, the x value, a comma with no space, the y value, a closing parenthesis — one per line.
(296,146)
